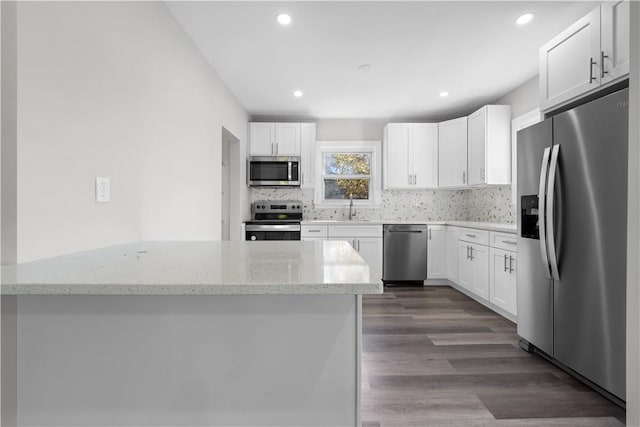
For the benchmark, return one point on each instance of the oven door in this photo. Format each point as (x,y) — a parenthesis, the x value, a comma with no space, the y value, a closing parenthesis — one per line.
(272,232)
(274,171)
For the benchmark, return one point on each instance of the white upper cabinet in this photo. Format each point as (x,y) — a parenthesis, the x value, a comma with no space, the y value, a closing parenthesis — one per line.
(489,146)
(591,52)
(424,154)
(410,156)
(262,138)
(452,153)
(307,154)
(274,139)
(615,40)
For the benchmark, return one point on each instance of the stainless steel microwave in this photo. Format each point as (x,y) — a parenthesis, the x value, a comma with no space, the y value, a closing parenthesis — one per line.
(273,171)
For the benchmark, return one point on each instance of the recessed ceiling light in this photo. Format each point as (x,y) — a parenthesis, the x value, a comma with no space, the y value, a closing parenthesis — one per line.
(298,94)
(444,94)
(364,68)
(284,19)
(524,19)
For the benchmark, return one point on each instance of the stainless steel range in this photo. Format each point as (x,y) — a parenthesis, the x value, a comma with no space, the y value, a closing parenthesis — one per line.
(274,220)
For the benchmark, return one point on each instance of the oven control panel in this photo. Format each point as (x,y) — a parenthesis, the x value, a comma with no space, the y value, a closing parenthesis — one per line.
(274,209)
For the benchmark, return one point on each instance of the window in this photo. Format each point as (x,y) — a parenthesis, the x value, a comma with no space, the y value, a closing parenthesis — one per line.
(347,171)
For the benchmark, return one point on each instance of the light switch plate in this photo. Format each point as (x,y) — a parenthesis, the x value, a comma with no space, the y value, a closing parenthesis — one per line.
(103,190)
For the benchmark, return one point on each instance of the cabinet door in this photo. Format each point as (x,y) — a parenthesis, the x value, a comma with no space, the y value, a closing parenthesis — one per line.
(396,156)
(452,153)
(452,254)
(287,139)
(480,260)
(370,249)
(424,155)
(615,40)
(262,138)
(307,154)
(503,279)
(476,144)
(570,62)
(465,266)
(436,252)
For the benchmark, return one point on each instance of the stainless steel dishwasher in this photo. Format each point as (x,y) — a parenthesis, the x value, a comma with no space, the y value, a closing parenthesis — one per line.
(405,253)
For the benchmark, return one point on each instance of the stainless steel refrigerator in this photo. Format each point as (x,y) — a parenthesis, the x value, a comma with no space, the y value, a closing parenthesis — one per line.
(572,239)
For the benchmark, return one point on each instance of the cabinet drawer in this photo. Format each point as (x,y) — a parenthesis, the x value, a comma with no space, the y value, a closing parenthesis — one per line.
(313,231)
(471,235)
(506,241)
(355,231)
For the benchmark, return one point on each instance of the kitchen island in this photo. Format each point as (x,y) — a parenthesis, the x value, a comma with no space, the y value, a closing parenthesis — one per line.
(186,334)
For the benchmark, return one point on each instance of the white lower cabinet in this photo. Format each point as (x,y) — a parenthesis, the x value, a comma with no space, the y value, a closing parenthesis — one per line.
(473,268)
(453,233)
(503,273)
(365,239)
(370,249)
(436,254)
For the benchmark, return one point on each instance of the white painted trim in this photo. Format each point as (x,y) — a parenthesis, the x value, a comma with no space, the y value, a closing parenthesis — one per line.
(633,225)
(525,120)
(358,360)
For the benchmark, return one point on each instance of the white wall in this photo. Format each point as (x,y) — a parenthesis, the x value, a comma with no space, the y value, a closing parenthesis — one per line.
(8,223)
(119,90)
(633,239)
(522,99)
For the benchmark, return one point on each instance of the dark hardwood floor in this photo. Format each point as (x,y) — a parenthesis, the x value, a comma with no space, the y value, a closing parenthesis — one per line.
(434,357)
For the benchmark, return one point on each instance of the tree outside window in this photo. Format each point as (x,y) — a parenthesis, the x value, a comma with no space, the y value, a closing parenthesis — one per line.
(347,175)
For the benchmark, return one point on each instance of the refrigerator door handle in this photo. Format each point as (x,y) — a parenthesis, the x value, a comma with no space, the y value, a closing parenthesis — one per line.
(551,184)
(542,204)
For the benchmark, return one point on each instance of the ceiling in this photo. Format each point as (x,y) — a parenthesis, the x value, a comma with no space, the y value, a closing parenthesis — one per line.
(416,49)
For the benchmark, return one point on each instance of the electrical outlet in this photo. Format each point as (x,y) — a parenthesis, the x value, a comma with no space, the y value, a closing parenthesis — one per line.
(103,190)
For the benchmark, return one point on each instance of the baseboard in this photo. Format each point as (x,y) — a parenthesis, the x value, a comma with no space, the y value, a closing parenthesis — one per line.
(484,302)
(437,282)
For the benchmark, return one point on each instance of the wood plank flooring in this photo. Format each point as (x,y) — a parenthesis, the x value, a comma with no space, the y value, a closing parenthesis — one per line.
(434,357)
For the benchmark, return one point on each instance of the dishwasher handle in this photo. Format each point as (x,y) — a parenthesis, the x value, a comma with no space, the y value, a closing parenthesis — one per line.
(403,231)
(402,228)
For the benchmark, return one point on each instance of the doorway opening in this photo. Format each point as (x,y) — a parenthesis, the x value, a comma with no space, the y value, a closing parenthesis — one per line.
(229,179)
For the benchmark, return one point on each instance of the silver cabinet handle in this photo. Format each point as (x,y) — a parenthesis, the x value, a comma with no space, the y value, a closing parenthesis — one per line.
(591,64)
(510,261)
(602,57)
(467,251)
(464,177)
(313,231)
(542,204)
(429,234)
(470,235)
(471,253)
(415,179)
(509,242)
(551,184)
(505,262)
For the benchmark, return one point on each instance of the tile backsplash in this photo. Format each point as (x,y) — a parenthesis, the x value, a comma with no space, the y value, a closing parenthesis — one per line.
(492,204)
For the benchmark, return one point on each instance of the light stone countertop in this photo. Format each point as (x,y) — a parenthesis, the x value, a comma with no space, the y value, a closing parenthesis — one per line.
(489,226)
(197,268)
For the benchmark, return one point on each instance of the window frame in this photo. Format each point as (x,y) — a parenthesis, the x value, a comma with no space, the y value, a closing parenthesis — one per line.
(373,148)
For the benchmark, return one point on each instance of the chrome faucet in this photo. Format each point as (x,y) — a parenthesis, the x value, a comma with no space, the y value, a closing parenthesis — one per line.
(351,210)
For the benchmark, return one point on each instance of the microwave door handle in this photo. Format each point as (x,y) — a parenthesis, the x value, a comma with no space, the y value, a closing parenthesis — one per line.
(551,184)
(289,170)
(542,210)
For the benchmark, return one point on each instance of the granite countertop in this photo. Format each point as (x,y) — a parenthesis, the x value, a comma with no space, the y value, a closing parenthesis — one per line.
(490,226)
(197,268)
